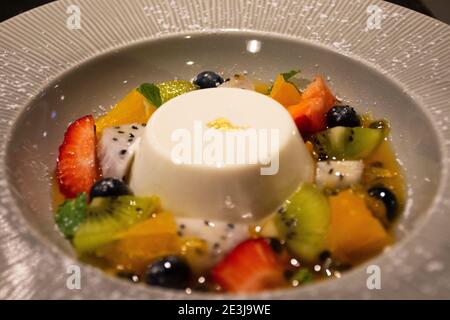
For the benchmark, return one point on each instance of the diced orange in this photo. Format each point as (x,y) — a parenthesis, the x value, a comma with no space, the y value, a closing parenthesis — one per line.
(354,233)
(134,108)
(139,245)
(284,92)
(309,113)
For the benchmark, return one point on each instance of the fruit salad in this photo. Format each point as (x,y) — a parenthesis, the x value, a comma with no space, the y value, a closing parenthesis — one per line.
(341,218)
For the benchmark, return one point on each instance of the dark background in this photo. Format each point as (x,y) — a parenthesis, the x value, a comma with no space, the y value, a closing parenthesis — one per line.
(439,9)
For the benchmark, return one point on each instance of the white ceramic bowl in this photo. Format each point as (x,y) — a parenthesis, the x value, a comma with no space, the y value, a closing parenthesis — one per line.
(51,74)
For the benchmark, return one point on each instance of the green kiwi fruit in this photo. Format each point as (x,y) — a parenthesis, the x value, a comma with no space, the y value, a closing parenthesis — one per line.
(342,143)
(108,216)
(304,222)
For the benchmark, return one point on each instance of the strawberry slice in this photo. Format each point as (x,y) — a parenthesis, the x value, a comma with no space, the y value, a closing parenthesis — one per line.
(252,266)
(76,165)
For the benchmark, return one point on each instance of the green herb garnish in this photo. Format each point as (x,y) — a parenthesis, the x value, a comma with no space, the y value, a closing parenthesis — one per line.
(152,93)
(288,75)
(71,214)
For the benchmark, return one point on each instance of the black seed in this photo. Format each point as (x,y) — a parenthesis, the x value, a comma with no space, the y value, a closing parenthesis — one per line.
(216,246)
(230,226)
(118,127)
(331,171)
(180,234)
(134,128)
(144,124)
(377,164)
(139,210)
(350,138)
(276,245)
(121,132)
(115,139)
(322,156)
(182,226)
(131,135)
(130,140)
(291,235)
(324,255)
(123,152)
(282,210)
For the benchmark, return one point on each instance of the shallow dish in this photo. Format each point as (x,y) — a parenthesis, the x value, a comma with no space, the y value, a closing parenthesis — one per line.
(50,74)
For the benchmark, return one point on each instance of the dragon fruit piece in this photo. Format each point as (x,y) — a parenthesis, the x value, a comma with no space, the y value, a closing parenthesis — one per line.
(116,149)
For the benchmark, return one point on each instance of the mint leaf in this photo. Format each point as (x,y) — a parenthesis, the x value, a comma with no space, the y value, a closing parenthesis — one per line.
(71,214)
(303,276)
(288,75)
(151,93)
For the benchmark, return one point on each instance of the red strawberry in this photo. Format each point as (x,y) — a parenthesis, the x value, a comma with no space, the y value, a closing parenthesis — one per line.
(252,266)
(76,167)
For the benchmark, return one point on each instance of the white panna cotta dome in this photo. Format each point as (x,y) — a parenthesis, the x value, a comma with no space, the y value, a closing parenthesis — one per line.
(222,154)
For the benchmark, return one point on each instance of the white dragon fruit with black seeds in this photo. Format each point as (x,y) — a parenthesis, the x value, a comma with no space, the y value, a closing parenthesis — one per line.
(221,236)
(238,81)
(116,149)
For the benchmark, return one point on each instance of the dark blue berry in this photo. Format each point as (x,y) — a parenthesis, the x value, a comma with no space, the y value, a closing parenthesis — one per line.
(109,187)
(342,116)
(208,79)
(170,272)
(388,198)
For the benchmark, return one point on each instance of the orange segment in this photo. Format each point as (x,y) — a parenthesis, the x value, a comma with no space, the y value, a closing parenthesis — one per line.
(196,252)
(284,92)
(134,108)
(354,234)
(139,245)
(261,87)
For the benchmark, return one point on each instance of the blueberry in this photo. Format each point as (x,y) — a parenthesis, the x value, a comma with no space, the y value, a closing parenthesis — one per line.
(388,198)
(208,79)
(344,116)
(170,272)
(109,187)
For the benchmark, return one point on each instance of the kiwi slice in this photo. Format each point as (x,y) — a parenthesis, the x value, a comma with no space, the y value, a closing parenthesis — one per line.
(108,216)
(342,143)
(304,222)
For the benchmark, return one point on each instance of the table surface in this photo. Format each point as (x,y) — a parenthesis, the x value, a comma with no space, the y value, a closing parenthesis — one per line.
(439,9)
